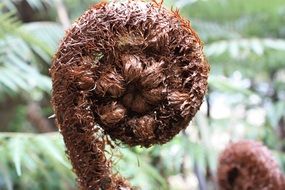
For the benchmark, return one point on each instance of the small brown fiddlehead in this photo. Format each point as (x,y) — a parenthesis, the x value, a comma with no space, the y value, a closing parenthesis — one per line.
(132,71)
(249,165)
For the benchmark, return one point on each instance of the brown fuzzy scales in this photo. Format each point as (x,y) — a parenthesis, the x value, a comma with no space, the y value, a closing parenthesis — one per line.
(133,70)
(248,165)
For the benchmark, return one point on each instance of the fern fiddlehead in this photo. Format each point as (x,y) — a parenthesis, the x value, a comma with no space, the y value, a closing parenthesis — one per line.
(246,165)
(131,70)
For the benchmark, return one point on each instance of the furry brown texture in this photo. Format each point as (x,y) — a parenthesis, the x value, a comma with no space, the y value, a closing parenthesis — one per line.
(132,71)
(248,165)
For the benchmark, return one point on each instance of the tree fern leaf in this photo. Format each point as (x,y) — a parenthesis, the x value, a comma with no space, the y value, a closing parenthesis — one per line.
(51,149)
(16,146)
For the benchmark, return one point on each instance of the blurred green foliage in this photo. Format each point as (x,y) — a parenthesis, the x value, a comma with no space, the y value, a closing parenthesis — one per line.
(245,45)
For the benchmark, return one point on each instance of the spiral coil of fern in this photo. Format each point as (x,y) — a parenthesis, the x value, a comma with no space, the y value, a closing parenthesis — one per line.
(248,165)
(130,70)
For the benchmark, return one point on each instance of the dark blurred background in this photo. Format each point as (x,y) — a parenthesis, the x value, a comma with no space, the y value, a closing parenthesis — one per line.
(245,45)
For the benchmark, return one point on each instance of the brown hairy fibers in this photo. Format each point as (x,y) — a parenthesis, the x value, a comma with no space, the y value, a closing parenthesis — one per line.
(249,165)
(132,71)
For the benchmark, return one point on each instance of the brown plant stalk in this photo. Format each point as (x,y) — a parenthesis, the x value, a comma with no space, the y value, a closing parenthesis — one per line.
(132,71)
(249,165)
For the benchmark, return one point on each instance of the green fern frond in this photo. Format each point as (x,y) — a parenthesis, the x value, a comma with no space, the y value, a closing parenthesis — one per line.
(31,160)
(23,49)
(242,48)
